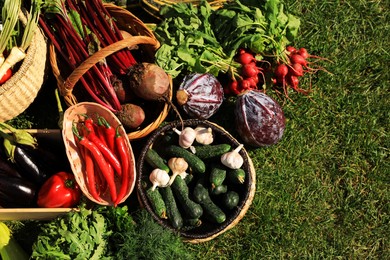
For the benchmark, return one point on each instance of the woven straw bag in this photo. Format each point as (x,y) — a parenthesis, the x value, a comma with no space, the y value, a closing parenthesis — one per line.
(17,93)
(141,37)
(207,230)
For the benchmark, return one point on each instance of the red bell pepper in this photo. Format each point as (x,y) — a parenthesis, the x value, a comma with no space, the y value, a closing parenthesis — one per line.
(59,191)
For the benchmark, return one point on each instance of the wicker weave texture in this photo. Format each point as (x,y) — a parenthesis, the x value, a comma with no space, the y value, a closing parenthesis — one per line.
(22,88)
(141,37)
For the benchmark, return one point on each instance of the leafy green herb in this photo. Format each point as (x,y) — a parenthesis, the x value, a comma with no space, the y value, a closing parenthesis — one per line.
(107,233)
(78,235)
(261,26)
(188,41)
(200,39)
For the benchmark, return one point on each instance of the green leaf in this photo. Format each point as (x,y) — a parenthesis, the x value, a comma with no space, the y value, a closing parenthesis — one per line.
(292,27)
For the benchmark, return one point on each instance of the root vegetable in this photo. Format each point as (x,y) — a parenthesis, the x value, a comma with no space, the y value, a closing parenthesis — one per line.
(149,81)
(245,58)
(296,70)
(296,58)
(19,53)
(304,53)
(131,115)
(6,76)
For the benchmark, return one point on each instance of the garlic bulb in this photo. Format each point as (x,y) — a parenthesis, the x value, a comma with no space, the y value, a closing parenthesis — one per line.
(186,137)
(159,178)
(233,159)
(178,166)
(204,135)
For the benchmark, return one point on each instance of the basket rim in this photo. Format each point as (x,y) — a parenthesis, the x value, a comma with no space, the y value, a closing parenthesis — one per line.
(238,213)
(66,84)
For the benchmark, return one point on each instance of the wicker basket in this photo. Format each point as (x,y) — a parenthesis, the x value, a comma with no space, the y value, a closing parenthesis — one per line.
(142,37)
(74,114)
(207,230)
(22,88)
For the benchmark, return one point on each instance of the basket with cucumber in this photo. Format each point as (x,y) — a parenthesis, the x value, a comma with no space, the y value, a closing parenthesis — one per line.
(195,179)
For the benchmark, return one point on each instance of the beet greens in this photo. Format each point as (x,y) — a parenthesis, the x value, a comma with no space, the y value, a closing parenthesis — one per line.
(78,29)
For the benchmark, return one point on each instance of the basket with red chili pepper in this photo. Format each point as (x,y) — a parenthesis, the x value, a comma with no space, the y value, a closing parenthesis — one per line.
(99,152)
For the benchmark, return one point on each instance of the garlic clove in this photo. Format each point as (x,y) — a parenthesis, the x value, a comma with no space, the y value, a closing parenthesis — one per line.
(159,178)
(233,159)
(204,135)
(186,136)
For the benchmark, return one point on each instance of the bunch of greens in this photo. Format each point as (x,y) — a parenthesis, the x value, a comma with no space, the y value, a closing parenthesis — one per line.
(200,39)
(188,42)
(260,26)
(107,233)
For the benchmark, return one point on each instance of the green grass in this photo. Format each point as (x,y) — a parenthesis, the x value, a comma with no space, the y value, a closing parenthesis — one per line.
(323,191)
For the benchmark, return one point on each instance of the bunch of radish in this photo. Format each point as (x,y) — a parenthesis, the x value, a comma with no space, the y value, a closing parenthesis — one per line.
(250,74)
(287,73)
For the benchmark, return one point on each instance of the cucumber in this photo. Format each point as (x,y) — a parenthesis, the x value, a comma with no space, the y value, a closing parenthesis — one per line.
(181,192)
(217,175)
(196,164)
(157,202)
(230,199)
(189,178)
(211,210)
(173,212)
(191,223)
(211,151)
(236,176)
(194,222)
(218,189)
(155,160)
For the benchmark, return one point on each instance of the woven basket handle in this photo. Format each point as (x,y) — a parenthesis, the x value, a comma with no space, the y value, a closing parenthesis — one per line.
(75,76)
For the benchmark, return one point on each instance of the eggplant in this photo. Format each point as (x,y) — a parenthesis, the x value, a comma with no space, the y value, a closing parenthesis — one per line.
(30,166)
(6,167)
(17,192)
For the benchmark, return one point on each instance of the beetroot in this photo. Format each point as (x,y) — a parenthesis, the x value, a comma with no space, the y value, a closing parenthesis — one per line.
(200,95)
(259,119)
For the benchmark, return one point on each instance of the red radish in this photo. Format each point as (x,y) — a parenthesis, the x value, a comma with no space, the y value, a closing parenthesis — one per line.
(281,71)
(291,49)
(232,88)
(6,76)
(296,58)
(304,53)
(253,81)
(296,69)
(293,81)
(245,58)
(245,84)
(250,70)
(241,51)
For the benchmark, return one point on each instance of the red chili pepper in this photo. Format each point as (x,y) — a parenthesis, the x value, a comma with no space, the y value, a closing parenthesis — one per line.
(59,191)
(107,153)
(91,178)
(109,132)
(126,160)
(100,132)
(100,161)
